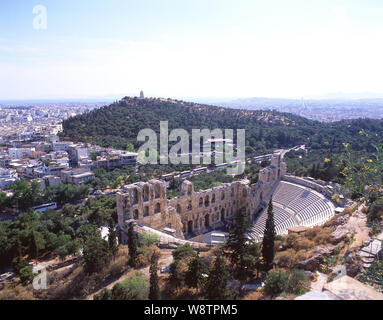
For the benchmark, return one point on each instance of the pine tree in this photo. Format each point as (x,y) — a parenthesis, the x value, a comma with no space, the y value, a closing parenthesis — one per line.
(154,292)
(112,239)
(196,269)
(268,243)
(216,286)
(132,245)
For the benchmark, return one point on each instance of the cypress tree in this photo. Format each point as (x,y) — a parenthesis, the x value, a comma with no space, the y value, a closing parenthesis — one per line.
(112,239)
(176,276)
(132,245)
(216,286)
(312,172)
(238,243)
(268,245)
(196,268)
(154,292)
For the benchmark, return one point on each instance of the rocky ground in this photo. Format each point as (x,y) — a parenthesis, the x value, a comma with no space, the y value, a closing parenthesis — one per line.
(354,249)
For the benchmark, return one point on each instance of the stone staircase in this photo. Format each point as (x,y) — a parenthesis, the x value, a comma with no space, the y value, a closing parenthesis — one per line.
(369,253)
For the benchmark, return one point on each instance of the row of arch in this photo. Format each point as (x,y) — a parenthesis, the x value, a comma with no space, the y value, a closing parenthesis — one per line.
(146,213)
(207,201)
(206,221)
(146,194)
(269,175)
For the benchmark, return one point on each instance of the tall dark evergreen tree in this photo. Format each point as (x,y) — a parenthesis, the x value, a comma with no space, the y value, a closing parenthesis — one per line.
(132,245)
(194,275)
(176,276)
(154,291)
(96,255)
(313,171)
(238,242)
(238,245)
(268,243)
(216,286)
(112,239)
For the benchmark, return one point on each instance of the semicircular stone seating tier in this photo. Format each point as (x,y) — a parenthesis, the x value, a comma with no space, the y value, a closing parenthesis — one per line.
(294,205)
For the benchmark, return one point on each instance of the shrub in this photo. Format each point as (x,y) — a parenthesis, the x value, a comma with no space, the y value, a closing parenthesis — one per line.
(118,266)
(324,237)
(303,244)
(183,251)
(290,239)
(286,258)
(142,250)
(134,288)
(311,233)
(105,294)
(26,275)
(301,255)
(298,282)
(375,212)
(141,261)
(276,282)
(147,239)
(145,254)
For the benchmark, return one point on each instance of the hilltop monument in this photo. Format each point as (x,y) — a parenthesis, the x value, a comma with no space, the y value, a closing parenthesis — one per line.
(142,95)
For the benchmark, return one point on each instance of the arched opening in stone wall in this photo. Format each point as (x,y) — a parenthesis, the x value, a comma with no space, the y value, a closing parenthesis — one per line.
(157,208)
(200,202)
(244,192)
(146,193)
(157,190)
(232,192)
(207,201)
(184,227)
(223,195)
(207,221)
(135,196)
(135,214)
(146,211)
(213,198)
(190,207)
(178,209)
(190,227)
(223,215)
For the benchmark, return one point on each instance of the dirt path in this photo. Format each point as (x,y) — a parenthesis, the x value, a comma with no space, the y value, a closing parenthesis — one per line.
(357,225)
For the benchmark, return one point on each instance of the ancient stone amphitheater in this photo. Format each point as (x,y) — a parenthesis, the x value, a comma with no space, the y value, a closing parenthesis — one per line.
(296,201)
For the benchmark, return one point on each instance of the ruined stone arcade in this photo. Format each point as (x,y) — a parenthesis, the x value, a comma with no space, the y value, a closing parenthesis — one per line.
(195,212)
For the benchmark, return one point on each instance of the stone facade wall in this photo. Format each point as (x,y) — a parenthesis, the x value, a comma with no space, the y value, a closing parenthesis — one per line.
(195,212)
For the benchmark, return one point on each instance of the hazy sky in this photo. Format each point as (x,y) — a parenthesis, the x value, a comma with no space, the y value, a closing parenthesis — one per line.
(191,48)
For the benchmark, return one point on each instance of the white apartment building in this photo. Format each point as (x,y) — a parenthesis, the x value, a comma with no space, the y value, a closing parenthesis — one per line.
(7,177)
(62,146)
(20,153)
